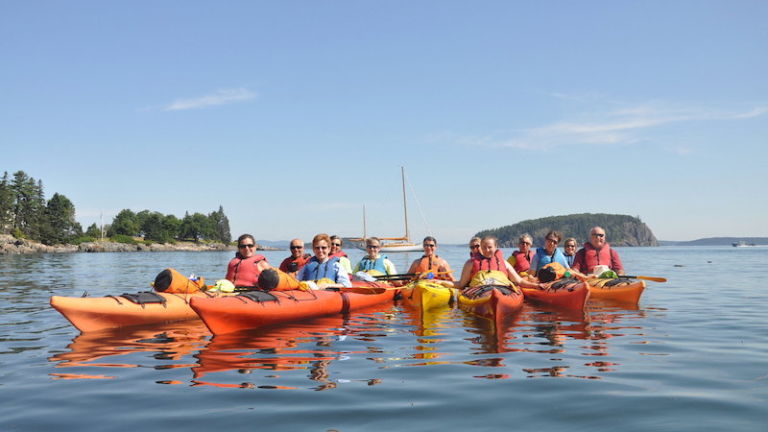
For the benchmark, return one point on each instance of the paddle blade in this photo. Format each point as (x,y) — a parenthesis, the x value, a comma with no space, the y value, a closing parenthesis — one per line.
(650,278)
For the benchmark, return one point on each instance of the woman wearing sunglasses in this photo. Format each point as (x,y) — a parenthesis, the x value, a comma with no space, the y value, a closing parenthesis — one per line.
(474,246)
(244,269)
(549,253)
(374,263)
(569,250)
(431,263)
(336,251)
(324,271)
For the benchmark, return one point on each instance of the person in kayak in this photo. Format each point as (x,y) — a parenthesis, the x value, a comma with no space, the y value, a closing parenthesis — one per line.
(491,258)
(324,271)
(596,252)
(549,253)
(336,251)
(375,263)
(244,269)
(474,245)
(431,263)
(297,260)
(569,250)
(521,258)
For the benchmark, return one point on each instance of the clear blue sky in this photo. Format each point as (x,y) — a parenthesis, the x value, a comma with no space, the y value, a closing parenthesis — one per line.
(293,115)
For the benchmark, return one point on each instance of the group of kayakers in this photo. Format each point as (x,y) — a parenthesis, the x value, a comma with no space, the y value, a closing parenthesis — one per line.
(330,266)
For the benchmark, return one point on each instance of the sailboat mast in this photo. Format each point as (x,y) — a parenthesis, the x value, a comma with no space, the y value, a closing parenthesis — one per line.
(405,206)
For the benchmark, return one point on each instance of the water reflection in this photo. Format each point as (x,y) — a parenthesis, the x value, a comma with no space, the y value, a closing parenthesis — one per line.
(167,344)
(536,342)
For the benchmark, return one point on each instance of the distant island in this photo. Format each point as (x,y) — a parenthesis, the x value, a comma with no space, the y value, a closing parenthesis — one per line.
(622,230)
(718,241)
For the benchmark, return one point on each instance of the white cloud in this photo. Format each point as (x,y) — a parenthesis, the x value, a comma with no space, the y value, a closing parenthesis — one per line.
(220,97)
(623,126)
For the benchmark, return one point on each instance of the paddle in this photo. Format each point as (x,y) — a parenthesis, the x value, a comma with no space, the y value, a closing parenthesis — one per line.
(650,278)
(405,276)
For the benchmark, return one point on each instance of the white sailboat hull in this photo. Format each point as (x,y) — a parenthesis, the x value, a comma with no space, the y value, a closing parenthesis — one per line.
(410,247)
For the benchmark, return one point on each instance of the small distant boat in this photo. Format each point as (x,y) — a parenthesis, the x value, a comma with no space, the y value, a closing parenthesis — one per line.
(742,243)
(394,244)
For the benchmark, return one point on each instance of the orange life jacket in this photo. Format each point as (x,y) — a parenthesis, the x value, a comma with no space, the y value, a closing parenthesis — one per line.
(427,265)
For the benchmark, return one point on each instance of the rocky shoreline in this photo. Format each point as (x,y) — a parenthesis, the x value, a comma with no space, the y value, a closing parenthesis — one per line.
(10,245)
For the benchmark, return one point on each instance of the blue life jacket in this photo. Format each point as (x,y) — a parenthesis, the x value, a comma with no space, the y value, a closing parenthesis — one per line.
(542,258)
(315,270)
(368,264)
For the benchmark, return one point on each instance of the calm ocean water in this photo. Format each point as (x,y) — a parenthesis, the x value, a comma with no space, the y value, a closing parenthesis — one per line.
(692,356)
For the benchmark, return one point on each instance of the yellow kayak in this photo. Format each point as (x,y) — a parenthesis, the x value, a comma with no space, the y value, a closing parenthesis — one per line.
(427,294)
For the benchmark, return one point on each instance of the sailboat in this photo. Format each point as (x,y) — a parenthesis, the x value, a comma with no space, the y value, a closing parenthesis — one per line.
(396,244)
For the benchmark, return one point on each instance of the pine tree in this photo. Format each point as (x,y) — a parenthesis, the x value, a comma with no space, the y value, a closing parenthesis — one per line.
(220,223)
(59,225)
(6,205)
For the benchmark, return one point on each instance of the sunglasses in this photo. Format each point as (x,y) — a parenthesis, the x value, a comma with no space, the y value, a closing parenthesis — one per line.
(570,245)
(474,246)
(429,245)
(336,244)
(598,235)
(243,246)
(526,243)
(297,247)
(555,241)
(373,247)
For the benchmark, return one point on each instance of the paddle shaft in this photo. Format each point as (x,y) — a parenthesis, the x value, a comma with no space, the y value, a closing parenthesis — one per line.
(650,278)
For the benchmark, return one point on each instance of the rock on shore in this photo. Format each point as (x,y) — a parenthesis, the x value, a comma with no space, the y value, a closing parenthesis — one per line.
(10,245)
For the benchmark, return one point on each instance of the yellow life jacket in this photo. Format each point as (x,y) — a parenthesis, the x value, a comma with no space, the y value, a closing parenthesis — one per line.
(490,277)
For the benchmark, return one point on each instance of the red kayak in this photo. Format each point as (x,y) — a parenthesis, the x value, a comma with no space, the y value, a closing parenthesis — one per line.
(491,301)
(257,308)
(566,293)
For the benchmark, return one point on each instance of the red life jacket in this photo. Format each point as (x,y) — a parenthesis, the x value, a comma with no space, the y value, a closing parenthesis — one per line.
(339,254)
(588,257)
(243,272)
(496,262)
(522,262)
(300,262)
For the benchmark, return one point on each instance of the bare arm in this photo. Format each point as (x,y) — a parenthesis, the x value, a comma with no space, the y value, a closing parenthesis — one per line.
(466,275)
(514,277)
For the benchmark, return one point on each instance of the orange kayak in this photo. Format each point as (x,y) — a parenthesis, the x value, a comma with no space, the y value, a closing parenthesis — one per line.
(621,289)
(98,313)
(566,293)
(491,301)
(256,309)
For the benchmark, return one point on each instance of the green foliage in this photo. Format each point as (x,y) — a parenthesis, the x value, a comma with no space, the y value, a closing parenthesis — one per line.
(59,225)
(125,223)
(621,230)
(122,238)
(28,205)
(220,224)
(93,231)
(25,213)
(6,205)
(82,239)
(197,227)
